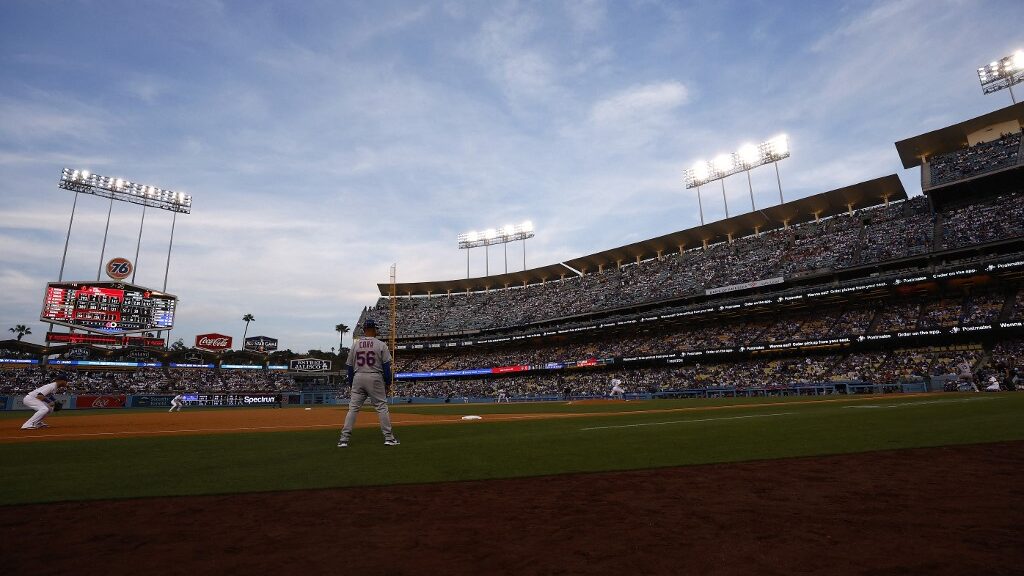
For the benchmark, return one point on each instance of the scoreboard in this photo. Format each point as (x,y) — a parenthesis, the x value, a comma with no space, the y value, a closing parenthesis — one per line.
(108,307)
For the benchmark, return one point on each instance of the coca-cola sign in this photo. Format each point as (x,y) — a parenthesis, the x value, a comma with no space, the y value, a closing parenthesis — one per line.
(213,342)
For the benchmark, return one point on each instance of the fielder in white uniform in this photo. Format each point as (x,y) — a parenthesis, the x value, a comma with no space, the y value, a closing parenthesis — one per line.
(617,390)
(41,401)
(369,368)
(502,397)
(176,403)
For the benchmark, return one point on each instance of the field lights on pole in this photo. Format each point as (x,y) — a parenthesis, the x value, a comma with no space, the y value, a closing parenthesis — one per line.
(119,189)
(745,159)
(1002,73)
(501,235)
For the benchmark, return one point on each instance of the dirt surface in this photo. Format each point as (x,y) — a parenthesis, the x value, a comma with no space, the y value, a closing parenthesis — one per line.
(134,423)
(122,423)
(950,510)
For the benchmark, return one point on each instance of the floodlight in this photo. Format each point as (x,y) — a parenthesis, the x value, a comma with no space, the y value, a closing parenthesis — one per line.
(701,170)
(527,226)
(1002,73)
(780,146)
(723,163)
(749,154)
(120,189)
(490,234)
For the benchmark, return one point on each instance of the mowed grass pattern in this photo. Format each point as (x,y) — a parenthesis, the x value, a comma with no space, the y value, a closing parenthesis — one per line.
(251,462)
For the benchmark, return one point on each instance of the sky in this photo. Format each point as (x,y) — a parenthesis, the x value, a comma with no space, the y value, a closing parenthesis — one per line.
(323,141)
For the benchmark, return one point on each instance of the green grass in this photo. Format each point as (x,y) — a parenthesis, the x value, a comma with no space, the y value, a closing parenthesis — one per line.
(232,463)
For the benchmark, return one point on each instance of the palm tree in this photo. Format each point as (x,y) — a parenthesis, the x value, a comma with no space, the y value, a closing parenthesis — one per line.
(21,330)
(341,329)
(247,318)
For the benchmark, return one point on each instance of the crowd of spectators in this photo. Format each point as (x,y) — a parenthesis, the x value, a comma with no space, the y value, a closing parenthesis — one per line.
(1000,218)
(150,381)
(984,308)
(974,160)
(851,320)
(886,368)
(871,235)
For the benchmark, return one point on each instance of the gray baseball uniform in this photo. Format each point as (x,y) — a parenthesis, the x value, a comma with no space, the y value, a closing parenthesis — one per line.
(367,358)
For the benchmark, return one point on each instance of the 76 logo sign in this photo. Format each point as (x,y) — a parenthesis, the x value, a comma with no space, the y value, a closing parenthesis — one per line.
(119,268)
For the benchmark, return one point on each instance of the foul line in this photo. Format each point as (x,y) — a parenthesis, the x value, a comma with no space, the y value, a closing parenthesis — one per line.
(905,404)
(688,421)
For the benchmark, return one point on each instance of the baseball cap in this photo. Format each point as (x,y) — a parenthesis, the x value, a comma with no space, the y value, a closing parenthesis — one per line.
(369,323)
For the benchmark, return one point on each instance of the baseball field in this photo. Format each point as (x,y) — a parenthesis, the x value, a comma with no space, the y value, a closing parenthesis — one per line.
(901,484)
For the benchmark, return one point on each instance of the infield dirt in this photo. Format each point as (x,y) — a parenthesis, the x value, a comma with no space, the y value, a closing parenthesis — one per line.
(948,510)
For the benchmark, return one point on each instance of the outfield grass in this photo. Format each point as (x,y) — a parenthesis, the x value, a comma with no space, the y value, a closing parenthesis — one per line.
(232,463)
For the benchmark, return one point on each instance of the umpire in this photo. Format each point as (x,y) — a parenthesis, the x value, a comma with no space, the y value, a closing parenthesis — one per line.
(369,374)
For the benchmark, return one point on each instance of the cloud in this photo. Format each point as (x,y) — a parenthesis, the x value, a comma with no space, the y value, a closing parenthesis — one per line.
(586,15)
(647,103)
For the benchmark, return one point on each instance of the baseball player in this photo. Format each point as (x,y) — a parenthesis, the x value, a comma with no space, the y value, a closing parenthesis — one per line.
(176,402)
(502,397)
(617,390)
(369,374)
(42,400)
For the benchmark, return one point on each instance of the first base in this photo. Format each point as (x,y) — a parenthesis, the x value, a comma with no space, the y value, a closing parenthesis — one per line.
(472,418)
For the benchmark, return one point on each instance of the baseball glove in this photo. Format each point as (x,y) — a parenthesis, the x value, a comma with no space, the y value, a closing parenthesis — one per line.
(58,406)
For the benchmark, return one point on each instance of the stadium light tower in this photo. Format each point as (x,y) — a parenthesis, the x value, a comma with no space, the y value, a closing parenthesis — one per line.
(85,182)
(1002,73)
(745,159)
(503,235)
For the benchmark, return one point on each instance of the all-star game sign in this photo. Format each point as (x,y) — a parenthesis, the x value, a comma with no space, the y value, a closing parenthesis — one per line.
(260,344)
(119,268)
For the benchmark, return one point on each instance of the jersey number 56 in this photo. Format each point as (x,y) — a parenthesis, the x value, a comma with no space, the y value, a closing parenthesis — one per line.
(366,358)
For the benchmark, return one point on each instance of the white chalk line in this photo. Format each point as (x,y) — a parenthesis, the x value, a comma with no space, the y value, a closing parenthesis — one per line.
(922,403)
(689,421)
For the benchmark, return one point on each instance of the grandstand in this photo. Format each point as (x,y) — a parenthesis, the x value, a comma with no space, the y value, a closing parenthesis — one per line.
(855,289)
(859,286)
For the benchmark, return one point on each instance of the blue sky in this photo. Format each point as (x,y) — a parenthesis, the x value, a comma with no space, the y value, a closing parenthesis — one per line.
(323,141)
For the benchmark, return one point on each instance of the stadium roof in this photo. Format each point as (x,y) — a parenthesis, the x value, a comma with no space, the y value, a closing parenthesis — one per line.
(863,195)
(954,137)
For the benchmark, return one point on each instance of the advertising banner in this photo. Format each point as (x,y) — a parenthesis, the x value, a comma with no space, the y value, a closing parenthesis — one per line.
(67,338)
(150,401)
(213,342)
(18,402)
(309,365)
(90,401)
(236,399)
(261,344)
(744,286)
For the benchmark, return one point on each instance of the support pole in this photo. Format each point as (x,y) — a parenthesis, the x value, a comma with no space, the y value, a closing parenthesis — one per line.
(174,220)
(467,263)
(524,254)
(60,277)
(505,244)
(105,230)
(700,205)
(724,201)
(487,259)
(138,244)
(1012,97)
(167,269)
(779,180)
(750,187)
